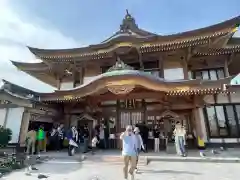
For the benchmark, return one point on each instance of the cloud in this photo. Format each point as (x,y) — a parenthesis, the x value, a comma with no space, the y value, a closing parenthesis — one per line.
(16,33)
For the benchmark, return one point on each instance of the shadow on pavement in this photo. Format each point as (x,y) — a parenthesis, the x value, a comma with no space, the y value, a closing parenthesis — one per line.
(169,172)
(59,166)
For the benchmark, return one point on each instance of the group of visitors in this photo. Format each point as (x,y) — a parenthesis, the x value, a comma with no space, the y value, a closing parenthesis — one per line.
(36,140)
(57,138)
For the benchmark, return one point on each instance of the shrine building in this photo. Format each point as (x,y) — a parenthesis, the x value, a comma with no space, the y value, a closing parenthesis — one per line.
(137,76)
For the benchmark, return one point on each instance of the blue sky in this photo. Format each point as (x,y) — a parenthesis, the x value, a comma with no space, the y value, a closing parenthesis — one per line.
(73,23)
(90,21)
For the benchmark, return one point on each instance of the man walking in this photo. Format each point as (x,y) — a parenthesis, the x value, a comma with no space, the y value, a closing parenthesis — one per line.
(129,152)
(31,141)
(40,140)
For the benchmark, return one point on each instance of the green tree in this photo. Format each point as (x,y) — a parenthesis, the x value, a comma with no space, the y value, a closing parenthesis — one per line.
(5,136)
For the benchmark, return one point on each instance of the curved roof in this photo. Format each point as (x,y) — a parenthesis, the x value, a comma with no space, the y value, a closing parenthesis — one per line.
(37,70)
(30,66)
(131,77)
(130,32)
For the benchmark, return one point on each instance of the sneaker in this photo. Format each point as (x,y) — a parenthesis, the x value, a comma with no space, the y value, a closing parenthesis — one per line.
(132,177)
(137,171)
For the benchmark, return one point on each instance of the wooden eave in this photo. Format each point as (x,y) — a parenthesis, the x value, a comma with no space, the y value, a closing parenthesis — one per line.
(41,66)
(234,41)
(44,77)
(16,88)
(39,71)
(217,51)
(154,43)
(233,88)
(14,99)
(140,80)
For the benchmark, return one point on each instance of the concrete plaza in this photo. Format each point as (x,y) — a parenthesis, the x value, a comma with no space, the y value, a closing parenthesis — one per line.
(62,167)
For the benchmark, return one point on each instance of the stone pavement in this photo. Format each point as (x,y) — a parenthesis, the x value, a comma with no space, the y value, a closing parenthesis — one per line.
(62,167)
(228,156)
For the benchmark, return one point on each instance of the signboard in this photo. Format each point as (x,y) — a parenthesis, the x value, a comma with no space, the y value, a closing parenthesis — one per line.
(131,104)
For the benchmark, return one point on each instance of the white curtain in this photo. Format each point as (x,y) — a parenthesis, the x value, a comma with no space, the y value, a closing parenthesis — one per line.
(173,74)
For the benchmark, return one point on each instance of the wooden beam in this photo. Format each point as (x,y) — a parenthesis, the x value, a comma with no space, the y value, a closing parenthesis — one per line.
(221,41)
(230,58)
(189,54)
(143,95)
(140,57)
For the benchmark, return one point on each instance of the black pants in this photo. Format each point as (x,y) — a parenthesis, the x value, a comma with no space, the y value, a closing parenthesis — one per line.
(58,144)
(145,143)
(70,149)
(93,150)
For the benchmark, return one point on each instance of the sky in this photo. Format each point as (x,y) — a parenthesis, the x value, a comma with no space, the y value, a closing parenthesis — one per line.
(75,23)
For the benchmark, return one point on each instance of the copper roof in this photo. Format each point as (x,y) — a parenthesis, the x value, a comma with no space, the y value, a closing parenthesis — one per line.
(139,79)
(18,91)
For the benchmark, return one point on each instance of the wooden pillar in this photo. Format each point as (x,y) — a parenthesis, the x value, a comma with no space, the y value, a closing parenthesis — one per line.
(58,83)
(161,66)
(118,118)
(226,72)
(24,127)
(81,75)
(200,126)
(185,68)
(6,117)
(144,111)
(118,124)
(188,55)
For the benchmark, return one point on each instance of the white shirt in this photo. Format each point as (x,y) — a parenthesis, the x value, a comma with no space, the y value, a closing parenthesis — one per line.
(139,141)
(94,142)
(129,147)
(179,131)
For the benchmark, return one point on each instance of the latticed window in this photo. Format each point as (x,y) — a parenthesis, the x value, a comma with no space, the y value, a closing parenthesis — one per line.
(223,120)
(130,118)
(209,74)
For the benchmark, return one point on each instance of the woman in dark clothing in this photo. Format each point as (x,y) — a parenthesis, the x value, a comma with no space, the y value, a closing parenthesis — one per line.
(156,134)
(145,135)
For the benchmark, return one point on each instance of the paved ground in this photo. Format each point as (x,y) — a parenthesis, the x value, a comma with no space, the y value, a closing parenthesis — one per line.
(62,167)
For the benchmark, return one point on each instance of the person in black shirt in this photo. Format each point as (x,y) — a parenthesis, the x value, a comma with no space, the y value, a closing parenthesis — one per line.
(156,134)
(86,138)
(144,135)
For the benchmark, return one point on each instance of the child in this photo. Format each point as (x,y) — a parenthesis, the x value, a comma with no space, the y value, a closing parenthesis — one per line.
(94,144)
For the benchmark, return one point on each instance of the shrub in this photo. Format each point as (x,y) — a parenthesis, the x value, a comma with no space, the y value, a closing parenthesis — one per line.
(5,136)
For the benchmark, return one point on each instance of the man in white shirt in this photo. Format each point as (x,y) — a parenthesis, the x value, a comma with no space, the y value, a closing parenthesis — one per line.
(129,151)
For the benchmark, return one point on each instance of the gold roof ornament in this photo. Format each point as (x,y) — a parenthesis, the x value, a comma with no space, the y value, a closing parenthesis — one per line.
(120,65)
(121,88)
(128,23)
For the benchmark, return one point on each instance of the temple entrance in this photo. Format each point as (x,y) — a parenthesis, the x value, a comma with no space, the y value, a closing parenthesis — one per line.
(131,117)
(131,113)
